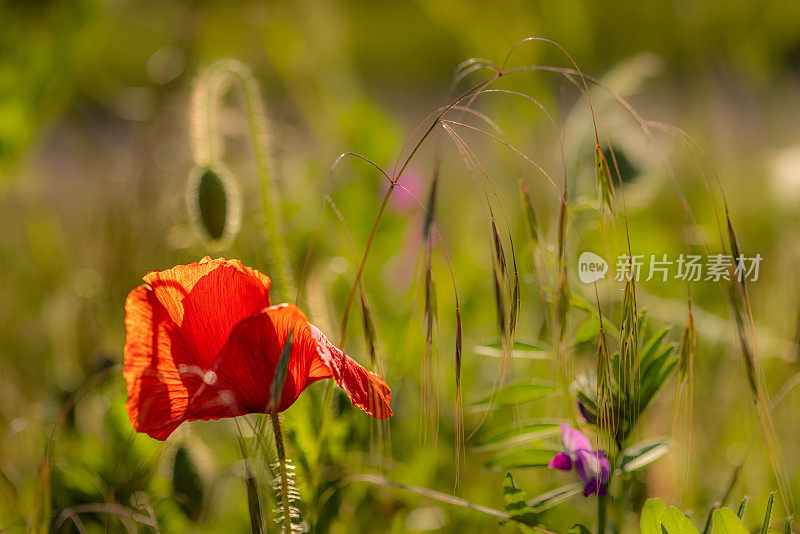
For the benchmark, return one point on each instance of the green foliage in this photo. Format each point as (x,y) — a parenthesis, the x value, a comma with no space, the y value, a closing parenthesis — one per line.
(631,390)
(522,458)
(556,496)
(517,433)
(515,505)
(514,394)
(726,521)
(673,521)
(187,485)
(650,518)
(643,453)
(767,514)
(657,518)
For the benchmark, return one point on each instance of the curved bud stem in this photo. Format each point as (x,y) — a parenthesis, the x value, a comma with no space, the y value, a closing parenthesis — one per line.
(211,86)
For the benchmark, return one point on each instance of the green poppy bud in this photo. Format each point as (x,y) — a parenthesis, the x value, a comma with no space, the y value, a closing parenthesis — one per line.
(213,203)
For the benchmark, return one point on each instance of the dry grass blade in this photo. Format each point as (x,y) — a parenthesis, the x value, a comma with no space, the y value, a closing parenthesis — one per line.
(740,309)
(532,221)
(499,303)
(629,342)
(430,419)
(515,303)
(253,494)
(684,397)
(605,186)
(687,350)
(607,418)
(431,206)
(369,329)
(459,345)
(253,504)
(562,305)
(499,253)
(459,410)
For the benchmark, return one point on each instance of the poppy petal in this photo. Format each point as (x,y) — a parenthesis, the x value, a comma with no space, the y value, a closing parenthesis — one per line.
(157,397)
(207,299)
(245,368)
(314,358)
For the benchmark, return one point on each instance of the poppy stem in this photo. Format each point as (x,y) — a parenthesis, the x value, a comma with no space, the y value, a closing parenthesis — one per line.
(282,472)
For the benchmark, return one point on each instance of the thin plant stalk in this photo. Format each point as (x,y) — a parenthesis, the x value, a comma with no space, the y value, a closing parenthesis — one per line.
(206,152)
(282,472)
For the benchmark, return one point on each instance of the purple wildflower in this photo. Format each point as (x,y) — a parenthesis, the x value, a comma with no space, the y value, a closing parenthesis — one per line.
(592,466)
(594,471)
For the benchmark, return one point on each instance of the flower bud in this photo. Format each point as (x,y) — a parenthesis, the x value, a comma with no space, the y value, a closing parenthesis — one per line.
(213,203)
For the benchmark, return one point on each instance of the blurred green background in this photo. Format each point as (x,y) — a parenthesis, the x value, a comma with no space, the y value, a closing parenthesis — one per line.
(95,154)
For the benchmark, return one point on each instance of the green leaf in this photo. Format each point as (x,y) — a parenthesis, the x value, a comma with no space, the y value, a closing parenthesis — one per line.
(587,331)
(187,485)
(279,379)
(530,349)
(650,348)
(519,433)
(551,498)
(673,521)
(515,505)
(768,514)
(726,522)
(514,394)
(253,504)
(650,519)
(642,453)
(521,459)
(742,507)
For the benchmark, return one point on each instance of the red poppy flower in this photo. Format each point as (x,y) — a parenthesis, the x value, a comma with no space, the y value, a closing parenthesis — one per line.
(203,342)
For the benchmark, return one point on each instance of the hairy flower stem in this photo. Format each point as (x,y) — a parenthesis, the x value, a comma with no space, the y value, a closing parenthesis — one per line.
(256,116)
(282,472)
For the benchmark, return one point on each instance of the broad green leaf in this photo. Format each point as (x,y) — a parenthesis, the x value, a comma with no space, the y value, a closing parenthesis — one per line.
(521,459)
(642,453)
(519,434)
(673,521)
(515,505)
(514,394)
(726,522)
(768,514)
(650,520)
(557,496)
